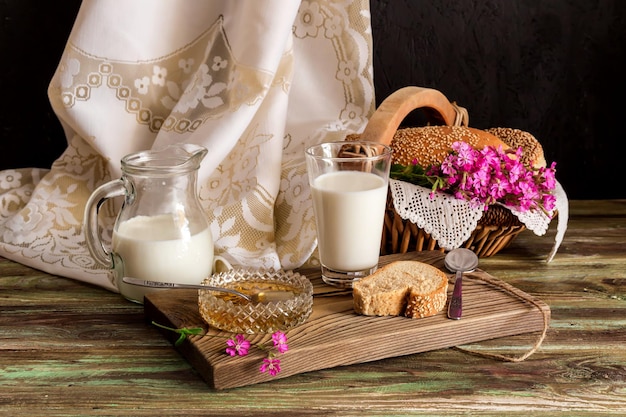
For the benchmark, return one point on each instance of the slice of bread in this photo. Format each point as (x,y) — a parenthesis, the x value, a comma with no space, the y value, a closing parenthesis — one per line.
(402,288)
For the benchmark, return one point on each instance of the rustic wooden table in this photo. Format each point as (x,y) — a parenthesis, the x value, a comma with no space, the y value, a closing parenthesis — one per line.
(67,348)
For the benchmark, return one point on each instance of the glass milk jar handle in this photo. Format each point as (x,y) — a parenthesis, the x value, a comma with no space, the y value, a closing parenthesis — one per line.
(95,245)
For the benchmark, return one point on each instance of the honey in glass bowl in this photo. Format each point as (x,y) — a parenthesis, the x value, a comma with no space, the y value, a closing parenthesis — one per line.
(235,314)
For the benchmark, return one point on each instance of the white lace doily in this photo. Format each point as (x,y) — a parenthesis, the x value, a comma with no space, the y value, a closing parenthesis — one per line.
(451,221)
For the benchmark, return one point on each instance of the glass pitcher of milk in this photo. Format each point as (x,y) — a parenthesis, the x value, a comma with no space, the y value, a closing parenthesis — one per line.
(161,233)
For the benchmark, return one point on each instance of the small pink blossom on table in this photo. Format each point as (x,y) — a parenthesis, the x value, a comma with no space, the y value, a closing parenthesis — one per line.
(238,346)
(271,365)
(280,342)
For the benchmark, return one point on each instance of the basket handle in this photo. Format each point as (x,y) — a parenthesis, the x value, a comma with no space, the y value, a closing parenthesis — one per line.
(387,118)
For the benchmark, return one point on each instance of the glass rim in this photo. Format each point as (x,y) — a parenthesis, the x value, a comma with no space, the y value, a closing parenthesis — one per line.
(387,151)
(172,159)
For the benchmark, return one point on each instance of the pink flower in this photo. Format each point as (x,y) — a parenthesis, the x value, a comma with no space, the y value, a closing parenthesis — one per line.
(448,167)
(549,202)
(491,156)
(499,188)
(466,156)
(549,179)
(238,346)
(491,175)
(271,365)
(280,342)
(516,170)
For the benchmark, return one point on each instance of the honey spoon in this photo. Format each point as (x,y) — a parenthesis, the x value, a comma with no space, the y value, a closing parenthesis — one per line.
(459,261)
(257,296)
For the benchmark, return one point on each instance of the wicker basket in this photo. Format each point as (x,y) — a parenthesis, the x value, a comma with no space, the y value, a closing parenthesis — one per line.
(497,227)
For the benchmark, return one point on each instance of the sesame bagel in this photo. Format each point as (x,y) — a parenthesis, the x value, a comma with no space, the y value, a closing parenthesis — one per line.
(533,152)
(430,145)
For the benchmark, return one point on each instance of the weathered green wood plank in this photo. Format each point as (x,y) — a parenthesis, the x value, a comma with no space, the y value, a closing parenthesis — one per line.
(68,348)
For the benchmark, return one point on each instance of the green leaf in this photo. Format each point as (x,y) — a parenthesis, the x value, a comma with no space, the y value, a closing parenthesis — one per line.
(183,332)
(416,174)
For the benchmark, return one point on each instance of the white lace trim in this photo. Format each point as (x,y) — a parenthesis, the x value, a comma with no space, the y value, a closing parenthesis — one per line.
(451,221)
(448,220)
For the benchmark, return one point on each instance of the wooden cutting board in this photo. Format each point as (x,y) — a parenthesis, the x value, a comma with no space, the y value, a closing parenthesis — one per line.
(334,335)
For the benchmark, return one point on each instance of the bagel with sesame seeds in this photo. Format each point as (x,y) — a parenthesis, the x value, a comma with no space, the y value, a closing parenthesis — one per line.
(533,151)
(430,145)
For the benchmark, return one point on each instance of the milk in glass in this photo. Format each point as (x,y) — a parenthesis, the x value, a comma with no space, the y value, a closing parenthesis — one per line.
(349,208)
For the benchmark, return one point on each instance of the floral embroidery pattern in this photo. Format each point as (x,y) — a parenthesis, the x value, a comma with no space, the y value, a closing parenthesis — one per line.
(204,85)
(255,195)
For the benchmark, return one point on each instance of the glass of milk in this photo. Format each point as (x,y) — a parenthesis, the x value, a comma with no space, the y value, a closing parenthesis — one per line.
(349,182)
(161,232)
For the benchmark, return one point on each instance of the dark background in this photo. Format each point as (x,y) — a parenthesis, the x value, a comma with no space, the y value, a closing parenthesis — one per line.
(550,67)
